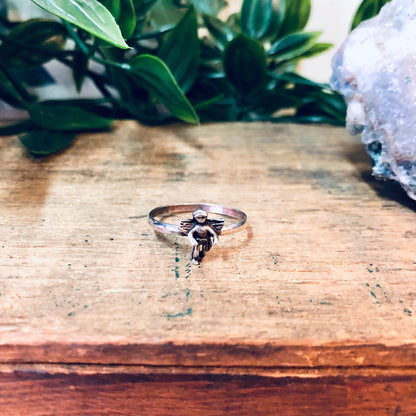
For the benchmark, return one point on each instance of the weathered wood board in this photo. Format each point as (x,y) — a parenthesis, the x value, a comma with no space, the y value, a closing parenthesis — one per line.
(323,276)
(96,392)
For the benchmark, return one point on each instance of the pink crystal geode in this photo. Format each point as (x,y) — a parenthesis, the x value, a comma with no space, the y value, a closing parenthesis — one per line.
(375,71)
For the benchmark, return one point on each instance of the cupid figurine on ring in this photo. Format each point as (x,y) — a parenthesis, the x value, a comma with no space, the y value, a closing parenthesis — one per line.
(202,233)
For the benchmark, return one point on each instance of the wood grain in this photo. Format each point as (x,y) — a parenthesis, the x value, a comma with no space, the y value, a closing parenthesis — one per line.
(73,392)
(323,276)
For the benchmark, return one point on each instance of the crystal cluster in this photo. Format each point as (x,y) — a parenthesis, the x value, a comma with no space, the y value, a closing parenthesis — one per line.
(375,71)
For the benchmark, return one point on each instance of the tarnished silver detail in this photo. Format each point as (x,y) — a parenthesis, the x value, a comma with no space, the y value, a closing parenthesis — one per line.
(202,231)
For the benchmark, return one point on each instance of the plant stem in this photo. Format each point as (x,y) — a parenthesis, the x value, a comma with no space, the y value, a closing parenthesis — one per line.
(85,49)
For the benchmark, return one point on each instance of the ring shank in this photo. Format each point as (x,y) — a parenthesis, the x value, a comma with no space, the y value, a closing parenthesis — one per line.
(164,227)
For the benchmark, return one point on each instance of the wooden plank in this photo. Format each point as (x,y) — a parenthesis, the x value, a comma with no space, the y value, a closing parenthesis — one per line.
(323,275)
(78,390)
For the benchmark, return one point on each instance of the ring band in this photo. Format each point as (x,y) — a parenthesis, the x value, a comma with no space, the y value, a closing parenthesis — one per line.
(164,227)
(202,231)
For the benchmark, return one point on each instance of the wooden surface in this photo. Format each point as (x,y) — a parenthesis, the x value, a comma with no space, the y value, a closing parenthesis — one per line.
(77,391)
(320,286)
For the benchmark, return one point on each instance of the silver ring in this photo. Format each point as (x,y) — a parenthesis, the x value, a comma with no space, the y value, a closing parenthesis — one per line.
(202,231)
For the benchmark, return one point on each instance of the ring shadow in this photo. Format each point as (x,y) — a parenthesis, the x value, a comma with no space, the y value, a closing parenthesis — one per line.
(168,239)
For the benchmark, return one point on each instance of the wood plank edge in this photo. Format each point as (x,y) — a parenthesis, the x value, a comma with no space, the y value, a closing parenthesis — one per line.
(265,355)
(274,373)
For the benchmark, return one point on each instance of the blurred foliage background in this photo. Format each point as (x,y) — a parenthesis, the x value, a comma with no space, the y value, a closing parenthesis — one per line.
(160,60)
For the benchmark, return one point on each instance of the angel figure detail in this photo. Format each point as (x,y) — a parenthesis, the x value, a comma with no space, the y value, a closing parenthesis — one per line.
(202,233)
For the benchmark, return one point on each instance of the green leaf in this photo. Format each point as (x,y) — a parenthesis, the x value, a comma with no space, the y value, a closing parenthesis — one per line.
(154,75)
(220,31)
(276,19)
(61,116)
(34,77)
(9,93)
(281,12)
(16,128)
(317,49)
(89,15)
(46,37)
(79,68)
(245,65)
(113,6)
(256,16)
(296,16)
(44,142)
(180,51)
(367,10)
(127,18)
(293,45)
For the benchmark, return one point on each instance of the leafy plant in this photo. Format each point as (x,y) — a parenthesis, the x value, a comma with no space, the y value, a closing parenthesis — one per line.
(157,60)
(367,10)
